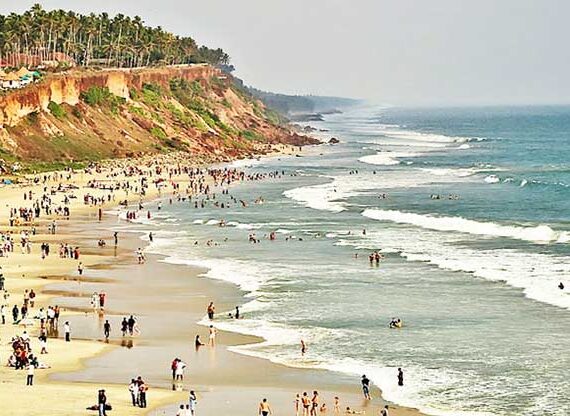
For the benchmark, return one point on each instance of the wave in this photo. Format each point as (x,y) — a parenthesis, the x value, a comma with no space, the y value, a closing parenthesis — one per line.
(541,234)
(386,158)
(459,172)
(492,179)
(536,274)
(244,163)
(428,137)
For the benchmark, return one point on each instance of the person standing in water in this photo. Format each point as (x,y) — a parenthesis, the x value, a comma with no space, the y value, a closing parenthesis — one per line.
(211,310)
(400,377)
(303,347)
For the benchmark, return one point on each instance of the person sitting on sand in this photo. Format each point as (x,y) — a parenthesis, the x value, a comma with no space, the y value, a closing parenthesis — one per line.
(197,342)
(350,411)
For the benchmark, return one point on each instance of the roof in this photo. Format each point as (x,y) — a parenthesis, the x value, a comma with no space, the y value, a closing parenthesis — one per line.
(10,77)
(23,71)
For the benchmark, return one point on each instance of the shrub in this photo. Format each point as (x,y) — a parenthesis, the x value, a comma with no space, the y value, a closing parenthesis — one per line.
(158,133)
(57,110)
(99,96)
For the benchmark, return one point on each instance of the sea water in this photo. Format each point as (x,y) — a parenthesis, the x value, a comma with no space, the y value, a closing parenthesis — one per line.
(473,274)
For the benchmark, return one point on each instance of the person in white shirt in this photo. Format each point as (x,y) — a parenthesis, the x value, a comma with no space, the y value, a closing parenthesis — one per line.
(30,377)
(67,330)
(134,390)
(193,402)
(179,371)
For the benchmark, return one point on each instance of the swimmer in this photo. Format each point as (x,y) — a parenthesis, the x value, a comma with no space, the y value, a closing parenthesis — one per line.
(396,323)
(561,286)
(303,347)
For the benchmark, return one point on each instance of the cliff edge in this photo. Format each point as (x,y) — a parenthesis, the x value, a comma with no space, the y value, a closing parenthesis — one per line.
(98,114)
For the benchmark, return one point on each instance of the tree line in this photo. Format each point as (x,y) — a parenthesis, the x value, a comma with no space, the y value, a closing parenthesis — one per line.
(97,39)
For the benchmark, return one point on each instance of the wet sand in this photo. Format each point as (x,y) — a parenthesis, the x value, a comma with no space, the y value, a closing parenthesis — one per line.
(168,301)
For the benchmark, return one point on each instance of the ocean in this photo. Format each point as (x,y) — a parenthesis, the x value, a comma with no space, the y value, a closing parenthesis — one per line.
(470,209)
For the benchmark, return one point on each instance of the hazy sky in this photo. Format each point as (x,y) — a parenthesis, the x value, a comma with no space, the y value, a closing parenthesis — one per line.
(393,51)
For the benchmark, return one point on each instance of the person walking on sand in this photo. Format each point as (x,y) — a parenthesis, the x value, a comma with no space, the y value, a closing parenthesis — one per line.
(213,332)
(143,388)
(124,327)
(314,403)
(264,408)
(179,370)
(102,297)
(384,412)
(43,343)
(30,376)
(306,404)
(107,330)
(134,390)
(67,331)
(131,325)
(297,404)
(336,408)
(102,403)
(193,401)
(365,387)
(80,268)
(211,311)
(173,367)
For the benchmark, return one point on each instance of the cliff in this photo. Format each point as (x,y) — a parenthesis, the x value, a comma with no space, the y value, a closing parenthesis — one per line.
(91,115)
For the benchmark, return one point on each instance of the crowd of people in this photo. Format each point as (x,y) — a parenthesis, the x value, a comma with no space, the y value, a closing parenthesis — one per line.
(134,182)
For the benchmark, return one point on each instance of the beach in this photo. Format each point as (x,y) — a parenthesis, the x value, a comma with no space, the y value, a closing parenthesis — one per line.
(167,300)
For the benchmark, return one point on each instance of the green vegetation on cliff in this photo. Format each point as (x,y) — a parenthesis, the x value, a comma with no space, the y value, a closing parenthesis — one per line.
(38,35)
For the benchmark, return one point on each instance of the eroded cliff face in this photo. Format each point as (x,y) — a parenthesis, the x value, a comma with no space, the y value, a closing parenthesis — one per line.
(65,88)
(193,108)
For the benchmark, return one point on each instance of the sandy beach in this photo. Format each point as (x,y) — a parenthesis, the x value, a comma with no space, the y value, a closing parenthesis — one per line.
(167,301)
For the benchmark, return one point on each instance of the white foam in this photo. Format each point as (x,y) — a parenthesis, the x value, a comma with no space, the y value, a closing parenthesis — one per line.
(536,274)
(541,234)
(426,137)
(244,163)
(459,172)
(492,179)
(246,275)
(386,158)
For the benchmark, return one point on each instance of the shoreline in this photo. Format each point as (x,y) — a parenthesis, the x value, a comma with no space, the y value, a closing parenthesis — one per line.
(283,397)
